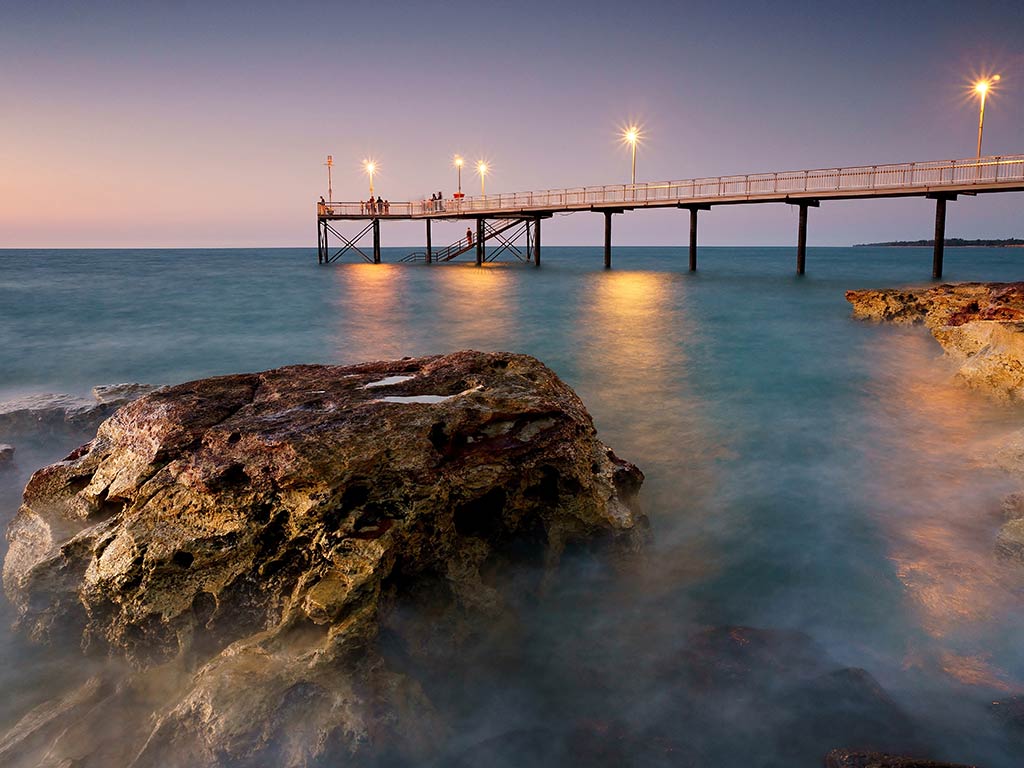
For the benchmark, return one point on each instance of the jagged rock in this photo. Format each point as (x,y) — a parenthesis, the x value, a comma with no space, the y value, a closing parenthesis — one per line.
(1010,541)
(843,758)
(981,325)
(6,455)
(53,412)
(120,394)
(255,527)
(1013,506)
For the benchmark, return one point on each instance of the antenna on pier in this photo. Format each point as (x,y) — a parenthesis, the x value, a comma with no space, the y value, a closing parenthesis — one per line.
(330,191)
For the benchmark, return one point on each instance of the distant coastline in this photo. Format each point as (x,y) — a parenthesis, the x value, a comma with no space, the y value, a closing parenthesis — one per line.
(953,242)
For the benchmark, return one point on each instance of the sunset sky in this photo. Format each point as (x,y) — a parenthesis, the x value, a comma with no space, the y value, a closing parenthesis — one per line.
(202,124)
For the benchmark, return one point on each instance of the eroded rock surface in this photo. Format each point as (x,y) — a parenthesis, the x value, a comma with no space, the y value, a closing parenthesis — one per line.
(981,325)
(66,413)
(252,529)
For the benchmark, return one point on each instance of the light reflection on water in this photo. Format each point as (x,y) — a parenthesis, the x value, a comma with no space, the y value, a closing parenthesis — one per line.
(803,470)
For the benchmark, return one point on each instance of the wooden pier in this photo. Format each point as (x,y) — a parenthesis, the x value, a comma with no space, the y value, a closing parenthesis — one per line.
(505,219)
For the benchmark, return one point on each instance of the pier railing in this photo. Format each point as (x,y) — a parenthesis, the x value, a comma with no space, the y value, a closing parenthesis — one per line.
(857,180)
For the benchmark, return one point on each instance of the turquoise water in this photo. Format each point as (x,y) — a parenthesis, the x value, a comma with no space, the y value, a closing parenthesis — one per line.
(804,470)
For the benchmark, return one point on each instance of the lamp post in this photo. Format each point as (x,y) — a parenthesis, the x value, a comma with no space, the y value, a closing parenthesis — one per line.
(982,87)
(631,136)
(458,169)
(481,168)
(370,167)
(330,190)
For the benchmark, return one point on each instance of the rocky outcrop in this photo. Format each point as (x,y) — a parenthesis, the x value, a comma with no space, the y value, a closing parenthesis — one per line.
(980,325)
(253,529)
(61,412)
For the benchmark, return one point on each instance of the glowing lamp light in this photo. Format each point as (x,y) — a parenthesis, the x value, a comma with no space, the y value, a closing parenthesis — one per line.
(370,168)
(632,135)
(482,168)
(982,87)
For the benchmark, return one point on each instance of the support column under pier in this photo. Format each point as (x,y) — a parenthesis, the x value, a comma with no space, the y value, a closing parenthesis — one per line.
(429,256)
(607,239)
(321,245)
(376,241)
(801,242)
(940,235)
(693,232)
(801,236)
(536,242)
(479,242)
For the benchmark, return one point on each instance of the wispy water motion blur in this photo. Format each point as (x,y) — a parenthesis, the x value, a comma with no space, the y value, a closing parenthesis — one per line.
(823,483)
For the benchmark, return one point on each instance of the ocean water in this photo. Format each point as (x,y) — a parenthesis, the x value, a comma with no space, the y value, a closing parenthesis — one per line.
(804,470)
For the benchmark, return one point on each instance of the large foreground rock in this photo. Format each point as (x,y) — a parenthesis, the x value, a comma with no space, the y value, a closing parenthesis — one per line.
(249,531)
(980,325)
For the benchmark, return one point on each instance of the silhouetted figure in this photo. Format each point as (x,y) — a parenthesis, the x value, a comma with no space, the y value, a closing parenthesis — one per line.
(387,207)
(380,204)
(469,236)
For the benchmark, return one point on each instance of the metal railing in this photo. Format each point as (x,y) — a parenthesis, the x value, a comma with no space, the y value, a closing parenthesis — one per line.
(864,179)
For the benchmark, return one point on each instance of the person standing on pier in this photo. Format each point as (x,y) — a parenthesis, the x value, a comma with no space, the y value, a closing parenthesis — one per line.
(469,236)
(380,205)
(387,207)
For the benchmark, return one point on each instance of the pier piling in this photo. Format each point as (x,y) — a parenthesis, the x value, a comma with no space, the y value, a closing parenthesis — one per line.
(429,255)
(607,239)
(940,236)
(801,242)
(536,242)
(479,242)
(693,232)
(801,236)
(376,241)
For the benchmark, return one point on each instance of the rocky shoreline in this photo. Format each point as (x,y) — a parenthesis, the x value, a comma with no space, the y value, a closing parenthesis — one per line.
(266,562)
(980,326)
(249,532)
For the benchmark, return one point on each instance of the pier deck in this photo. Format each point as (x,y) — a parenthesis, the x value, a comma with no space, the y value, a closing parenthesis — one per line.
(942,180)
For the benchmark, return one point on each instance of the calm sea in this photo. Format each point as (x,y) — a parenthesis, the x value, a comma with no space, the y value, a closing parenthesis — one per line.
(804,470)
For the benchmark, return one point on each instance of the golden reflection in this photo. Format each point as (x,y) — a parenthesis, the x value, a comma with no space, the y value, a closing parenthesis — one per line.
(478,305)
(373,316)
(633,335)
(937,495)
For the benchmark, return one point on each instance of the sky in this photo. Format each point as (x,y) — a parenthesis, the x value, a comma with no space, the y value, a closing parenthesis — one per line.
(179,124)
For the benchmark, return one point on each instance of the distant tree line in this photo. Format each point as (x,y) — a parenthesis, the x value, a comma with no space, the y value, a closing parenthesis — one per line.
(1007,242)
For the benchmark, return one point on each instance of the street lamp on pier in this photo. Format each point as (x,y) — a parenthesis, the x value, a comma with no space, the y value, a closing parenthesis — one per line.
(982,87)
(370,167)
(631,135)
(481,169)
(330,190)
(458,169)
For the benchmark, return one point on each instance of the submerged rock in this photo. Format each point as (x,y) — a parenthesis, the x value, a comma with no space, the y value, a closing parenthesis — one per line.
(981,325)
(1009,712)
(6,455)
(255,528)
(843,758)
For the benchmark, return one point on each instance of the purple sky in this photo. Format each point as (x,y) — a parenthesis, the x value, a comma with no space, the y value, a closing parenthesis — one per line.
(200,124)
